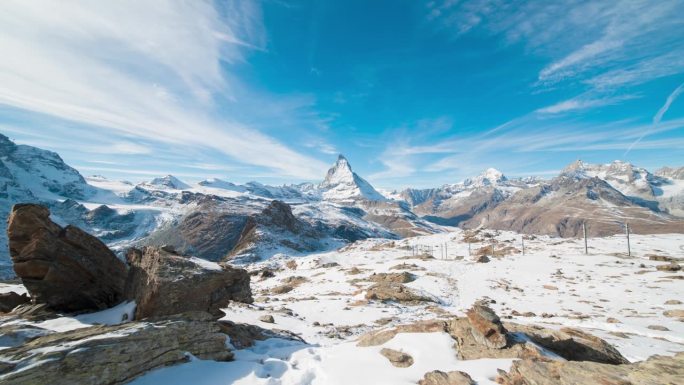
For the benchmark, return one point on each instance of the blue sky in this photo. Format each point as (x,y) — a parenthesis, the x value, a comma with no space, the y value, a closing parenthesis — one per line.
(414,93)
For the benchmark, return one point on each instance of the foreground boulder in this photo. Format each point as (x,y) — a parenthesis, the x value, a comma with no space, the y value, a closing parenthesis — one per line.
(164,283)
(65,268)
(655,370)
(486,327)
(111,355)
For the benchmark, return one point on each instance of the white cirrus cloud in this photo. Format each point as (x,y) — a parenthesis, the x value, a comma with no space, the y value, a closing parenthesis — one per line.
(153,70)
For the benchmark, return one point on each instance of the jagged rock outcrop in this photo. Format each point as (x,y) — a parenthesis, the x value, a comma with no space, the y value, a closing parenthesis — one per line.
(481,335)
(112,355)
(655,370)
(65,268)
(486,327)
(163,283)
(276,227)
(437,377)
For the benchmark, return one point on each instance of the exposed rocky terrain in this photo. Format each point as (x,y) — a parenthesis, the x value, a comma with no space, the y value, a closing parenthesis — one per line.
(405,314)
(216,219)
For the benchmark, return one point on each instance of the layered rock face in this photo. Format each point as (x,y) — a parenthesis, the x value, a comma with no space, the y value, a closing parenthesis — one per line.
(655,370)
(65,268)
(163,283)
(113,355)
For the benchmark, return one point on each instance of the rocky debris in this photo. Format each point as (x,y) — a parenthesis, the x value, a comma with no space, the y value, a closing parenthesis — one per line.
(486,326)
(437,377)
(482,259)
(291,264)
(267,319)
(661,258)
(655,370)
(113,354)
(244,335)
(294,280)
(164,283)
(407,266)
(397,358)
(328,265)
(392,291)
(672,266)
(66,268)
(676,313)
(379,337)
(673,302)
(403,277)
(8,301)
(282,289)
(496,251)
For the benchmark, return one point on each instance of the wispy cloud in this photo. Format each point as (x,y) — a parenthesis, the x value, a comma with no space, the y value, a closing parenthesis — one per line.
(604,44)
(148,70)
(584,102)
(657,117)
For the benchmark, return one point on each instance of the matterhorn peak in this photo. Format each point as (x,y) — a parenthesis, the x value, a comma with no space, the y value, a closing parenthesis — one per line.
(341,183)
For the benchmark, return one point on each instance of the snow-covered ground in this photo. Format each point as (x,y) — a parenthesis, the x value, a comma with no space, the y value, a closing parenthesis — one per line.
(607,293)
(553,277)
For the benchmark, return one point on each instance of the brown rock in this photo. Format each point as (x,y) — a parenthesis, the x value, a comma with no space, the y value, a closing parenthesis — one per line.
(659,328)
(267,319)
(391,291)
(66,268)
(670,267)
(482,259)
(403,277)
(673,302)
(112,355)
(437,377)
(163,283)
(655,370)
(571,344)
(397,358)
(486,326)
(676,313)
(9,301)
(379,337)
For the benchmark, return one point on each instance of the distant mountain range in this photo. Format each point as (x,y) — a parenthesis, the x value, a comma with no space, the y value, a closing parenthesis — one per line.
(217,219)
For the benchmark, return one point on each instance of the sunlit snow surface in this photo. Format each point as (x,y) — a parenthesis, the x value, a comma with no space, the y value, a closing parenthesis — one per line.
(590,289)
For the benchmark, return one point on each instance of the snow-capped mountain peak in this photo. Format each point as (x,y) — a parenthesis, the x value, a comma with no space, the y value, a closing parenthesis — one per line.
(490,176)
(341,183)
(168,181)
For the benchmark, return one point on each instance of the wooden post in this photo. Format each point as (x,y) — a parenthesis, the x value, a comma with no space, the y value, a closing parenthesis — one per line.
(522,239)
(468,248)
(584,229)
(446,251)
(629,249)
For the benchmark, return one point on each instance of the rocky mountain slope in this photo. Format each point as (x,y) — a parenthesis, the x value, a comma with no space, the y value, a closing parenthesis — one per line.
(217,219)
(456,203)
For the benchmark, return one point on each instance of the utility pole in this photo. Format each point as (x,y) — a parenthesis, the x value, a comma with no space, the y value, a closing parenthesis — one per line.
(629,249)
(584,229)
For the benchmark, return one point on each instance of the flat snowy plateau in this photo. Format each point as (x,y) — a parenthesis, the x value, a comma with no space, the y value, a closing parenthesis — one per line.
(554,284)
